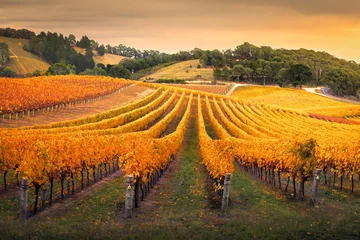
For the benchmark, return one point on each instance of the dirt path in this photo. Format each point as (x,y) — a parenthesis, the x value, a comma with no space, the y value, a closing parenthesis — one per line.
(236,85)
(325,91)
(82,110)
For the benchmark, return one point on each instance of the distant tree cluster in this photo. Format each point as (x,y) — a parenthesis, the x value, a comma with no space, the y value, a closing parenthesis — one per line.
(55,48)
(4,59)
(285,67)
(13,33)
(4,54)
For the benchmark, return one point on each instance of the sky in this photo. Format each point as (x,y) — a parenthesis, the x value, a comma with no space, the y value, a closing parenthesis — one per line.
(170,26)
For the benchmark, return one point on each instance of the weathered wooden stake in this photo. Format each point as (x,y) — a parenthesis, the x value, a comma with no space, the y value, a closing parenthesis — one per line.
(23,198)
(129,199)
(315,185)
(226,193)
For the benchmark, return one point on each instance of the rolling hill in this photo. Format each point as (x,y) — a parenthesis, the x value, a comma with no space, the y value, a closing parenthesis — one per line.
(296,99)
(106,59)
(22,62)
(182,70)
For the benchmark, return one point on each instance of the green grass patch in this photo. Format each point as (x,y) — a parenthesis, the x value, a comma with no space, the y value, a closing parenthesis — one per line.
(171,80)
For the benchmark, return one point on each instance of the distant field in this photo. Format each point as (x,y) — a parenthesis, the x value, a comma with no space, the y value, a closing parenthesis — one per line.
(297,99)
(106,59)
(216,89)
(23,62)
(178,71)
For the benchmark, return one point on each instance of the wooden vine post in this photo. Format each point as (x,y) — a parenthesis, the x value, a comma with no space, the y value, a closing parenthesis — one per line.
(315,185)
(226,193)
(23,198)
(129,199)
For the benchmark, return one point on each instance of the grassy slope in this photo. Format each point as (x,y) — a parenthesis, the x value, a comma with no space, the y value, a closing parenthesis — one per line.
(106,59)
(297,99)
(23,62)
(178,71)
(143,74)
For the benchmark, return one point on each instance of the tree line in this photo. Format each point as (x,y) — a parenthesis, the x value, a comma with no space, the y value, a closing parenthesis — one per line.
(4,59)
(247,62)
(284,67)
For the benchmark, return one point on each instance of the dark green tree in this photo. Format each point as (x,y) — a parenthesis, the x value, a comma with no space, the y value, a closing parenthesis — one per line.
(72,39)
(119,71)
(342,82)
(299,74)
(84,42)
(4,54)
(61,69)
(7,72)
(238,73)
(101,50)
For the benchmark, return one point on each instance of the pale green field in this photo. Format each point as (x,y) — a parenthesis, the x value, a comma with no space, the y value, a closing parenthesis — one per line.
(182,70)
(106,59)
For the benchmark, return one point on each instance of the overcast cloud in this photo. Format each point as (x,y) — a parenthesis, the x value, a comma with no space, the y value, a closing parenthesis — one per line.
(170,26)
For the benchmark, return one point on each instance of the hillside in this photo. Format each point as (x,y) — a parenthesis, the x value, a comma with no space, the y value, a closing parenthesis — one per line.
(296,99)
(106,59)
(22,62)
(182,70)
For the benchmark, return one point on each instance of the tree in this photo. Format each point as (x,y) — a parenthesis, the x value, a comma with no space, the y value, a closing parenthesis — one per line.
(225,73)
(196,53)
(217,74)
(101,65)
(119,71)
(342,82)
(238,72)
(88,53)
(282,77)
(305,162)
(7,72)
(101,50)
(4,54)
(72,39)
(299,74)
(82,62)
(84,42)
(61,69)
(96,71)
(216,58)
(204,59)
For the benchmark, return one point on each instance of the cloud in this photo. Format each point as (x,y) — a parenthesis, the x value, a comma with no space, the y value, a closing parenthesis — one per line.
(170,25)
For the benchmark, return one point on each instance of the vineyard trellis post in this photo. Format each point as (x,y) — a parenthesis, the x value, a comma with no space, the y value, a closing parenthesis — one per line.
(316,181)
(23,198)
(226,193)
(129,199)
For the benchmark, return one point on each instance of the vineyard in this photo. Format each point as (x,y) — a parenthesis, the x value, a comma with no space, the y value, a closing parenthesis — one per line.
(297,99)
(216,89)
(20,96)
(235,144)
